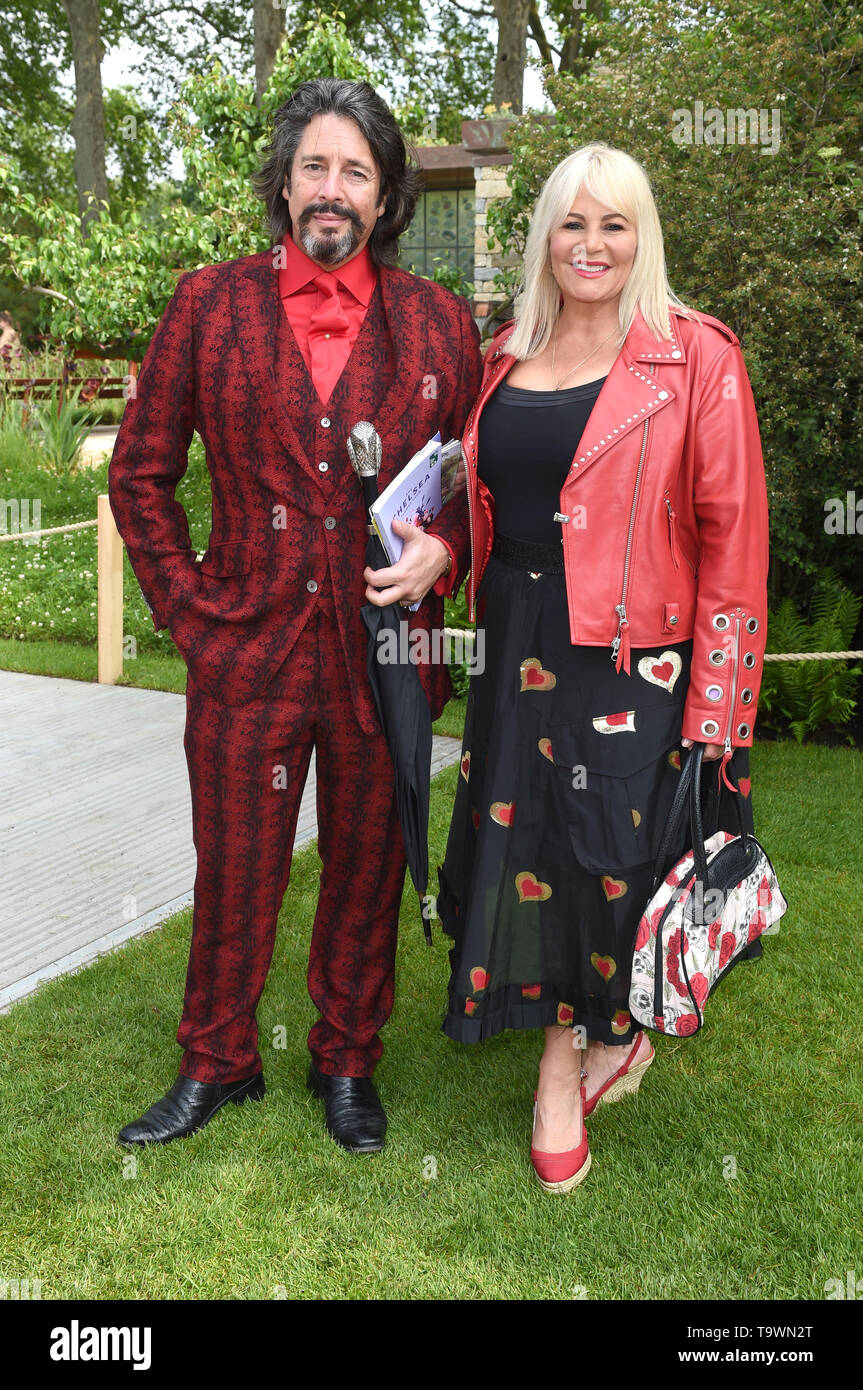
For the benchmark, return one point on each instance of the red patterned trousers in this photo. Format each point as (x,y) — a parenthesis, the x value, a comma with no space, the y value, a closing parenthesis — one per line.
(247,769)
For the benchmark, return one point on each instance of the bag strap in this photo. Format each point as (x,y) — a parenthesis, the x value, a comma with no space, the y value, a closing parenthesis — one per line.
(696,816)
(673,824)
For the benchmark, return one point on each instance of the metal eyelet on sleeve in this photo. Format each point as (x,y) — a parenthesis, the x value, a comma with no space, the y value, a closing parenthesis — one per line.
(716,657)
(751,624)
(710,728)
(749,660)
(746,696)
(721,622)
(742,730)
(714,692)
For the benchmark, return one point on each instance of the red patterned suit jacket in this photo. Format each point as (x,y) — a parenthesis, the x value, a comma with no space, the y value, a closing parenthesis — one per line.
(288,514)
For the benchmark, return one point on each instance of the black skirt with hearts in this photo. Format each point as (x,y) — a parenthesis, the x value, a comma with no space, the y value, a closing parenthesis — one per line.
(567,775)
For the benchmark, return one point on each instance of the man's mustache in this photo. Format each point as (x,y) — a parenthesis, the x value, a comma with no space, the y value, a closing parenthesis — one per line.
(332,210)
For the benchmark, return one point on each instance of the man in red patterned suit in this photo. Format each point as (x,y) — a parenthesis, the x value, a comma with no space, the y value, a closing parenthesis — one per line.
(273,359)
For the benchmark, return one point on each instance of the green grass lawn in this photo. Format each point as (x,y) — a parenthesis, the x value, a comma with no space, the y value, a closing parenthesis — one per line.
(48,612)
(262,1204)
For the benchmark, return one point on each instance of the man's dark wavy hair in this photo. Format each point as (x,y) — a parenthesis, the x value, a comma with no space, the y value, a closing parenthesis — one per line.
(360,103)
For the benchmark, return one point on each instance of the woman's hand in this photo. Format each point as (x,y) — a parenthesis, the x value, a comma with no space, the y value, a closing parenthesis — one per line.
(422,562)
(712,751)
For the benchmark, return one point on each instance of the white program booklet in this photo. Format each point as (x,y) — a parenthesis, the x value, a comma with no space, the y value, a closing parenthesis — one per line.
(415,495)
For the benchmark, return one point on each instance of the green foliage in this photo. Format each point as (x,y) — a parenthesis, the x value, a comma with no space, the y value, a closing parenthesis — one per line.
(48,589)
(108,290)
(455,616)
(767,242)
(452,277)
(319,47)
(807,695)
(136,148)
(20,450)
(64,426)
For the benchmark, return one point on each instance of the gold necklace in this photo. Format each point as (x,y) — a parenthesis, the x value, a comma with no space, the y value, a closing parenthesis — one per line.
(578,364)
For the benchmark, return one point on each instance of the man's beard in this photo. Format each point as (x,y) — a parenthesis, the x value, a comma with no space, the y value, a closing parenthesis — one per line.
(329,248)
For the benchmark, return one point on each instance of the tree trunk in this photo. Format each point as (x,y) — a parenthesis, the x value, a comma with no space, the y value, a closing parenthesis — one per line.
(512,21)
(88,123)
(577,52)
(269,28)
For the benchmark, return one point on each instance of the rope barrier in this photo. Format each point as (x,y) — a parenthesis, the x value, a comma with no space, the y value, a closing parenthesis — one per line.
(812,656)
(49,531)
(768,656)
(457,631)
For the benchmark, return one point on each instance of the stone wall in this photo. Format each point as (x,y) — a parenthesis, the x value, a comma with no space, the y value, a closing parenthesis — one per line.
(491,183)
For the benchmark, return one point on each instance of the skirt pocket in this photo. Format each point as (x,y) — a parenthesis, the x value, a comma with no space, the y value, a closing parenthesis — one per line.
(613,784)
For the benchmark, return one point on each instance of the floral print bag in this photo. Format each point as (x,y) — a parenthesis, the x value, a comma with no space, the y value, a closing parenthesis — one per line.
(720,896)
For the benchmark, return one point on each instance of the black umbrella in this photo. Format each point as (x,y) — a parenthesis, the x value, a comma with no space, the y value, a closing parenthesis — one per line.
(399,697)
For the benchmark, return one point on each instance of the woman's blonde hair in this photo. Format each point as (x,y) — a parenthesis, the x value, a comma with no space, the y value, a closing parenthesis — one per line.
(620,182)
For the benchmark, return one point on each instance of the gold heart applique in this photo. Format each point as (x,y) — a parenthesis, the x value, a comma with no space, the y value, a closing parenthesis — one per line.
(530,888)
(661,670)
(534,677)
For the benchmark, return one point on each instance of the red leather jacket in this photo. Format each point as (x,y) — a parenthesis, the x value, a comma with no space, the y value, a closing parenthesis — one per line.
(664,516)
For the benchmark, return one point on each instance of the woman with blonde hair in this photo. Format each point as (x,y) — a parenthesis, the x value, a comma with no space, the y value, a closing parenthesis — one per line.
(618,566)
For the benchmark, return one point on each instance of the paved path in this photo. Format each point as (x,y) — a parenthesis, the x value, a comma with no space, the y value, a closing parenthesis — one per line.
(96,822)
(99,441)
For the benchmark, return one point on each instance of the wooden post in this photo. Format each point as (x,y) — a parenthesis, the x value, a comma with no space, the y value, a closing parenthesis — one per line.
(109,594)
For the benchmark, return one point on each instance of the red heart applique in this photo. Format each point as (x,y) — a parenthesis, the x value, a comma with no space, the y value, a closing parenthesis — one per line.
(530,888)
(534,677)
(565,1013)
(503,812)
(478,979)
(662,670)
(531,991)
(613,887)
(465,766)
(606,965)
(745,785)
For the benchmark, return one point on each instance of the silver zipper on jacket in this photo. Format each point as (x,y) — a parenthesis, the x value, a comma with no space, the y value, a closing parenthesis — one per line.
(467,481)
(620,608)
(733,684)
(672,540)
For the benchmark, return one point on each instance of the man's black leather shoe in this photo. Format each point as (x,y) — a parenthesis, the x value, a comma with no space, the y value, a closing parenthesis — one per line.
(187,1107)
(354,1115)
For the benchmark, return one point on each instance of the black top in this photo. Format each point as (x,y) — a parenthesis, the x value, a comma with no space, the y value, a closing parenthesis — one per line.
(526,444)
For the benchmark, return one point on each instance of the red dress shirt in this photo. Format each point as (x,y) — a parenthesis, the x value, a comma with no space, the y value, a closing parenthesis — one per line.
(301,299)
